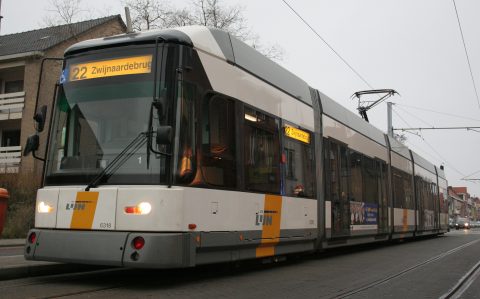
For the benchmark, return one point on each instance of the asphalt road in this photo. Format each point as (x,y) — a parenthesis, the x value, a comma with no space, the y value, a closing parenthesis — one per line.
(428,268)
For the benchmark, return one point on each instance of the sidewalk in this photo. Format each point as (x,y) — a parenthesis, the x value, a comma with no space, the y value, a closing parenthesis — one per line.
(15,266)
(11,242)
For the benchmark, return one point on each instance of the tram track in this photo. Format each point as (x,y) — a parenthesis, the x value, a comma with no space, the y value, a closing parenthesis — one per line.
(81,292)
(109,281)
(41,280)
(469,277)
(463,284)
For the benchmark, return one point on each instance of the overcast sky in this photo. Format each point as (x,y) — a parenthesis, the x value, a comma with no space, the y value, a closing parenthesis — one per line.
(412,46)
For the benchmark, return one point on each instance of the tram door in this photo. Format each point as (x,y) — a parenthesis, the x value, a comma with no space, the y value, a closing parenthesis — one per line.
(383,208)
(420,200)
(338,189)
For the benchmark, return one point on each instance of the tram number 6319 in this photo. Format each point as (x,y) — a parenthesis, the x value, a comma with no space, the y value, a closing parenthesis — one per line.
(105,225)
(79,73)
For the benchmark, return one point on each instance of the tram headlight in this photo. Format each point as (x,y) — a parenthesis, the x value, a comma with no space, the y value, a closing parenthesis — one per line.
(44,207)
(142,208)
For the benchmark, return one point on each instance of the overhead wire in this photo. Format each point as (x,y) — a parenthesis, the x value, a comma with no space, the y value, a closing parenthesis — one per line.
(328,45)
(418,118)
(369,85)
(466,53)
(473,173)
(430,146)
(438,112)
(401,118)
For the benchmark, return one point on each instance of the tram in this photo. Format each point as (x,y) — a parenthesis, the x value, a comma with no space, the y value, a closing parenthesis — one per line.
(181,147)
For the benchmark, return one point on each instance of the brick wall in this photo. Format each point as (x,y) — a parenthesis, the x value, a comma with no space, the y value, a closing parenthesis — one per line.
(50,76)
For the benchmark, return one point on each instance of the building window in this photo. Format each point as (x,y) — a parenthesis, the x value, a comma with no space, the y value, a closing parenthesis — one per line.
(11,138)
(13,86)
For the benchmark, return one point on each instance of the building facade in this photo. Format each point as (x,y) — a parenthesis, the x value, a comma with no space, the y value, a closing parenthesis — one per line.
(462,204)
(21,56)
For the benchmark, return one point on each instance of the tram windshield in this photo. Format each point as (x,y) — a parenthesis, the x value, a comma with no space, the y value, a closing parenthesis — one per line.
(103,103)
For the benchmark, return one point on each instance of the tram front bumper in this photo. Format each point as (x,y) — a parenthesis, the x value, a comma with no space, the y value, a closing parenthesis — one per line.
(160,250)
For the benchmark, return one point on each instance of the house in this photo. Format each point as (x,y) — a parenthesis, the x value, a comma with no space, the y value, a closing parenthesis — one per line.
(21,55)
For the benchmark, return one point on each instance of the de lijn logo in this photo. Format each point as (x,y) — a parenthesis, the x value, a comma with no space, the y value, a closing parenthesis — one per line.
(76,206)
(264,217)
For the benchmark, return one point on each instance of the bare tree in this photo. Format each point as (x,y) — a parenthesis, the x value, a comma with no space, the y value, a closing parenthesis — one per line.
(272,51)
(149,14)
(181,17)
(212,13)
(63,12)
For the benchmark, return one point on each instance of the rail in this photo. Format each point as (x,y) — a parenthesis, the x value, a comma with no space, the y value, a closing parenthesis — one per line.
(11,105)
(10,157)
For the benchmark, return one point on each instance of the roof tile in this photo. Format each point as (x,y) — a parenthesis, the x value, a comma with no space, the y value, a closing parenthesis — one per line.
(45,38)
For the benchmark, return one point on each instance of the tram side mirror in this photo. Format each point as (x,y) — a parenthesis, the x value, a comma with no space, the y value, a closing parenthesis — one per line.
(160,105)
(40,118)
(164,135)
(33,142)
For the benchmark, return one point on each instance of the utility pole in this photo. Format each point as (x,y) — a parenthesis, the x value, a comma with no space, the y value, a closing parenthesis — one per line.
(389,119)
(128,18)
(1,17)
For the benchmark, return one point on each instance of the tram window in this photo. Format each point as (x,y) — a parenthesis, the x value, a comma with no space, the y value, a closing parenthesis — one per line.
(408,185)
(433,196)
(218,142)
(331,161)
(356,176)
(424,194)
(371,180)
(290,163)
(344,174)
(186,149)
(262,149)
(398,190)
(402,190)
(299,172)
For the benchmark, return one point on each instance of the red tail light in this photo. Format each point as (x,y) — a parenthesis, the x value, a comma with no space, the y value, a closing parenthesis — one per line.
(138,243)
(130,210)
(32,238)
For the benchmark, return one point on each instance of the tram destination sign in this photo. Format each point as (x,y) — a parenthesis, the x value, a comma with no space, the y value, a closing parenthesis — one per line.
(110,68)
(297,134)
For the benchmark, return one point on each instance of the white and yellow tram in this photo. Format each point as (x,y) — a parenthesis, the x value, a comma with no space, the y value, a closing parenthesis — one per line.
(181,147)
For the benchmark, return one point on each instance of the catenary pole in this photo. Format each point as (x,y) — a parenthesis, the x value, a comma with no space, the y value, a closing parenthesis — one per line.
(389,116)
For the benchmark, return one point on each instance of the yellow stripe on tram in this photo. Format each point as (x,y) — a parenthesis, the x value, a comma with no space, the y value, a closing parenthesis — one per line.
(405,220)
(84,211)
(271,226)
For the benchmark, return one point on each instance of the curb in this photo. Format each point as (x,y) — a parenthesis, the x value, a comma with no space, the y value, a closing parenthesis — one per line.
(12,242)
(27,271)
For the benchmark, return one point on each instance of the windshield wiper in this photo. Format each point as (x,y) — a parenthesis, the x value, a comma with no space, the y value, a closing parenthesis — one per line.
(119,160)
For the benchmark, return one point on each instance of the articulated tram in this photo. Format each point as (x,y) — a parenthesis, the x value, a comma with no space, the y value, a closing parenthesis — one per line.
(175,148)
